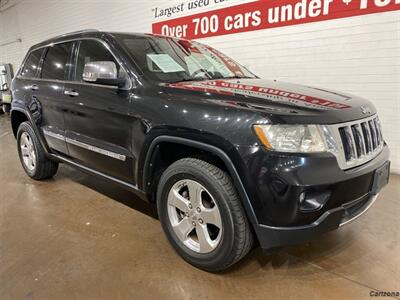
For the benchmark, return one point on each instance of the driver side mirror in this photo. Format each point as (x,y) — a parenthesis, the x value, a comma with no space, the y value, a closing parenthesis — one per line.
(102,72)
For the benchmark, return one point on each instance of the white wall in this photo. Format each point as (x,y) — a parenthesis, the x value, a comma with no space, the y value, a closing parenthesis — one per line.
(360,55)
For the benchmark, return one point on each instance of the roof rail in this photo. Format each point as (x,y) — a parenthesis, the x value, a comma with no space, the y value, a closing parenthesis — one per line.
(81,31)
(71,33)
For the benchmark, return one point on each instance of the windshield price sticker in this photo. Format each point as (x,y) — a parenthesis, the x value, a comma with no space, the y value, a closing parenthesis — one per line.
(264,14)
(166,63)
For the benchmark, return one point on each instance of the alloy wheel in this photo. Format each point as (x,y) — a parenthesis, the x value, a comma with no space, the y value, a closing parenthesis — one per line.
(194,216)
(28,151)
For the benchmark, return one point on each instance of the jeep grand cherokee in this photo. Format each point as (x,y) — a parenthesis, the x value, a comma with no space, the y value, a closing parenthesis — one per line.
(228,158)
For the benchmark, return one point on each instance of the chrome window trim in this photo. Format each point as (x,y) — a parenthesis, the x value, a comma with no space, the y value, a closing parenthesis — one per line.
(340,154)
(74,82)
(131,84)
(84,145)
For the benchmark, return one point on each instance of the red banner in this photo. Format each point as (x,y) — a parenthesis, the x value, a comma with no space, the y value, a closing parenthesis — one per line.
(266,14)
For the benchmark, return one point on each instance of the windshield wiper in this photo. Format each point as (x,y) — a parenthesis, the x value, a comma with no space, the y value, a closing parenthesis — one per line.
(212,78)
(234,77)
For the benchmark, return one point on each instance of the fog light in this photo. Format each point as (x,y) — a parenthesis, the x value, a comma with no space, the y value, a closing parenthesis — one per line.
(313,200)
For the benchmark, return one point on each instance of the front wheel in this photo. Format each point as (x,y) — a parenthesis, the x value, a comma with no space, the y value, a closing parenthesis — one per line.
(202,216)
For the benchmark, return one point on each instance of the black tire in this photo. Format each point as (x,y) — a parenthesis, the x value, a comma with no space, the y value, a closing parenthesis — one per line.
(1,110)
(44,168)
(236,238)
(6,108)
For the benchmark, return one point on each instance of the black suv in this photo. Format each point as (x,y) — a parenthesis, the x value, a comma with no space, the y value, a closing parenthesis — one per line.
(227,157)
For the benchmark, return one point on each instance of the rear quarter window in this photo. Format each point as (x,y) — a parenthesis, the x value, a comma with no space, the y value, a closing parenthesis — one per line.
(31,65)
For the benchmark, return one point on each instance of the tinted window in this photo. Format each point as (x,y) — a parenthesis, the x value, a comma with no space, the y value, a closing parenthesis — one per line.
(31,64)
(90,50)
(56,60)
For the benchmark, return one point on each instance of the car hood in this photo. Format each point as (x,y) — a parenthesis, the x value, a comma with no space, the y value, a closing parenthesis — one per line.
(283,102)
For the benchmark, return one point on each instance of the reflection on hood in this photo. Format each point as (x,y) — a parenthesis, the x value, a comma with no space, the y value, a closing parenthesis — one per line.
(271,91)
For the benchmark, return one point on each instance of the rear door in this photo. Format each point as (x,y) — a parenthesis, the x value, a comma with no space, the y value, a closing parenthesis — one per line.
(48,92)
(98,120)
(25,84)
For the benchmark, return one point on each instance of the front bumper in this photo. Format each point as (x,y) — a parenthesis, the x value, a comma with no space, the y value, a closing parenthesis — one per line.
(282,181)
(271,237)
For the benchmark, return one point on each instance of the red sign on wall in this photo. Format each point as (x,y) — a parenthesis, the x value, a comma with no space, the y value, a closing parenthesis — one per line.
(264,14)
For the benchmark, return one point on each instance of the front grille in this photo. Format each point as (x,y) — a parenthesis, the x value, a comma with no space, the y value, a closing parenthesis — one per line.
(358,141)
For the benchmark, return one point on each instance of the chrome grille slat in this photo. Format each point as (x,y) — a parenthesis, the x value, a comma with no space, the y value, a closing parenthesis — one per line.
(349,145)
(358,141)
(379,130)
(368,136)
(371,124)
(359,138)
(352,141)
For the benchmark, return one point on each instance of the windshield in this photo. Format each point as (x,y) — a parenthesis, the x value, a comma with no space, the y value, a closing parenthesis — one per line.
(166,59)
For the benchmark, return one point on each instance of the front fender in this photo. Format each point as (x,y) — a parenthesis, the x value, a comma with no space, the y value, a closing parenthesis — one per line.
(222,154)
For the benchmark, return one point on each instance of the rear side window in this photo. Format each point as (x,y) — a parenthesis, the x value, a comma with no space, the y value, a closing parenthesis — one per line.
(89,51)
(56,61)
(29,70)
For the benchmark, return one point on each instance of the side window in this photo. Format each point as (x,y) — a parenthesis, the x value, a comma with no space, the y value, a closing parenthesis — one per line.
(91,50)
(56,60)
(29,70)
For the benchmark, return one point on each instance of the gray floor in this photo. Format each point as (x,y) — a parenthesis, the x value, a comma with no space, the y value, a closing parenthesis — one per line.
(79,237)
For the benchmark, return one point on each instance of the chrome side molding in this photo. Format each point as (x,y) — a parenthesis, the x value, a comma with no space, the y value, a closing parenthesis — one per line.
(84,145)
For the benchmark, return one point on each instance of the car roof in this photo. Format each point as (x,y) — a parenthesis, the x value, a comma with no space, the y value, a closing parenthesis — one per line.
(93,33)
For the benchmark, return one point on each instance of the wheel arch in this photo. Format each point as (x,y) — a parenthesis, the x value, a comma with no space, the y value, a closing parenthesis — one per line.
(151,156)
(18,116)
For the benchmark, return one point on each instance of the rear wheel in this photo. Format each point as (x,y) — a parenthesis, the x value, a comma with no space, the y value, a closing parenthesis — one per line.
(202,216)
(6,108)
(32,155)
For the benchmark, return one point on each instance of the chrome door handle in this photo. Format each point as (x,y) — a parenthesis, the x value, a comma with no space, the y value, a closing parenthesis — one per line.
(71,93)
(34,87)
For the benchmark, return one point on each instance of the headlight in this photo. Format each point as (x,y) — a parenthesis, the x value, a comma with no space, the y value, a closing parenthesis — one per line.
(292,138)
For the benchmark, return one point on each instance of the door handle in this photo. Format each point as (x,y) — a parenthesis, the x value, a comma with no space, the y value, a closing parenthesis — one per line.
(34,87)
(71,93)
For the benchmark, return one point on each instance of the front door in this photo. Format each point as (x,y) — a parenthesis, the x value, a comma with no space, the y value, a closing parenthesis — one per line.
(97,119)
